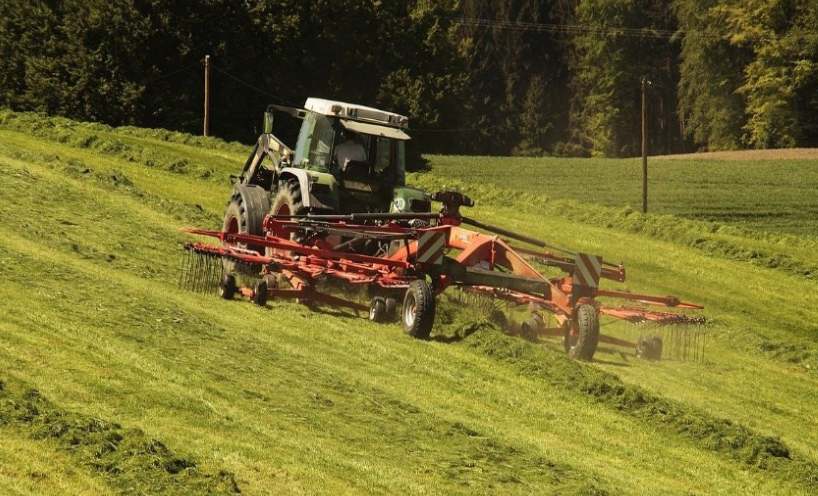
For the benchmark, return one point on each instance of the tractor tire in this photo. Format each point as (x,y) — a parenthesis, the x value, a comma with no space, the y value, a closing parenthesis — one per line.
(227,288)
(419,309)
(377,309)
(288,201)
(260,293)
(649,347)
(244,215)
(586,320)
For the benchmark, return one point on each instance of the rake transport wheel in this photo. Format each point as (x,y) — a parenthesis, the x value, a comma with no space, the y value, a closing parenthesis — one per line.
(419,309)
(244,215)
(227,288)
(586,321)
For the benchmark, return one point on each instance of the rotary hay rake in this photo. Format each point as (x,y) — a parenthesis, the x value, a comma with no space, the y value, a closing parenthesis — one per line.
(412,258)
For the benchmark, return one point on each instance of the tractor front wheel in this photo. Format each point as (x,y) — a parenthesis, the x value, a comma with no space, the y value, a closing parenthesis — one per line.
(244,215)
(419,309)
(586,323)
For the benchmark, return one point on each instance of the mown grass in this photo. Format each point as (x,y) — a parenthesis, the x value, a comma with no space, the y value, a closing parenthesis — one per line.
(775,196)
(287,400)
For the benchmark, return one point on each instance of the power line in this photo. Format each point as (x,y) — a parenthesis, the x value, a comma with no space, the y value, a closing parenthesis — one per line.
(655,33)
(454,130)
(177,71)
(256,88)
(567,28)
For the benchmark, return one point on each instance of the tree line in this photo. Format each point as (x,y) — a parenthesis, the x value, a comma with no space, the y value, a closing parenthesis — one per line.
(522,77)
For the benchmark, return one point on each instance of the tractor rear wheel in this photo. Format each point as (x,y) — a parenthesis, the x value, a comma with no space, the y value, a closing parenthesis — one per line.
(419,309)
(586,320)
(288,201)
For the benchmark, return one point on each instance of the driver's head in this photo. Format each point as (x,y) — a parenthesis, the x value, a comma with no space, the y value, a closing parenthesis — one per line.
(348,135)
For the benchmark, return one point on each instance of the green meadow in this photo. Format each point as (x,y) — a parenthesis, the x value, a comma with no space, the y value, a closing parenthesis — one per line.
(114,381)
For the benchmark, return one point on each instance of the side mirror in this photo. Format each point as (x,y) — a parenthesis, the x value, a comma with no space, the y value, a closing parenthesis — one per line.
(268,123)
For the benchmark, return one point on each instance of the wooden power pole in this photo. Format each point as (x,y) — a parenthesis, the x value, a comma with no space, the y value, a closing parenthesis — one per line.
(207,96)
(645,83)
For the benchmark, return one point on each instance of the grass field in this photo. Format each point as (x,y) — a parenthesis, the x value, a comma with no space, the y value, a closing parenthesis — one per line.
(769,195)
(116,382)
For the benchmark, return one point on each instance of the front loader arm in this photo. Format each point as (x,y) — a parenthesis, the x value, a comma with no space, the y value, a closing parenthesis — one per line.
(266,146)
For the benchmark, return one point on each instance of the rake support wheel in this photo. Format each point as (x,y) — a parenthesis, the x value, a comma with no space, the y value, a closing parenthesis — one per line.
(377,309)
(391,307)
(419,309)
(649,347)
(227,288)
(586,322)
(260,293)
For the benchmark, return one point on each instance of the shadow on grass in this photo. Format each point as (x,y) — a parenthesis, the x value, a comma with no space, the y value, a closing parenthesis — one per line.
(615,364)
(458,336)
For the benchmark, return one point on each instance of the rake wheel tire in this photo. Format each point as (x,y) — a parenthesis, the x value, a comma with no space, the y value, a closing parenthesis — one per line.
(260,293)
(227,288)
(586,320)
(418,314)
(530,328)
(377,309)
(566,337)
(391,308)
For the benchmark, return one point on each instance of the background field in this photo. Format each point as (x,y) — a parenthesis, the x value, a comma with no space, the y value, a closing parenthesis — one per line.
(769,194)
(145,389)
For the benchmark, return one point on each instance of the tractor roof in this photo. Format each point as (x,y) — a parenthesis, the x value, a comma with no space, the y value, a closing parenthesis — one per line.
(356,112)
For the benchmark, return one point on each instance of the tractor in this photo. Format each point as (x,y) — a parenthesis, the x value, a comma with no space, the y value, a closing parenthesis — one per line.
(281,181)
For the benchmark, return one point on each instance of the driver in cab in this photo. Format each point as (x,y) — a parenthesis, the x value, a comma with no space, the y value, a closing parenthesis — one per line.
(350,150)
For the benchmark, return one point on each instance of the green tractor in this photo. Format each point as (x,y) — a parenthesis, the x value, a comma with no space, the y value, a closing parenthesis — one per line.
(348,159)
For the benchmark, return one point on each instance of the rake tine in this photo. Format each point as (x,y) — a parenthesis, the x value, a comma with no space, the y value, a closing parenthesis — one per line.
(205,272)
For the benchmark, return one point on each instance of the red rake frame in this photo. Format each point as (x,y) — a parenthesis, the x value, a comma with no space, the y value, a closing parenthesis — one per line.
(445,254)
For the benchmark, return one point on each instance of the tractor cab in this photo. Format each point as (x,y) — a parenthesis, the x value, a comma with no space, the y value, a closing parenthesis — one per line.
(367,182)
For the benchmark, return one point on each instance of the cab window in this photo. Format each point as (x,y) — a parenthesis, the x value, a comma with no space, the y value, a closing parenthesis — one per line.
(315,142)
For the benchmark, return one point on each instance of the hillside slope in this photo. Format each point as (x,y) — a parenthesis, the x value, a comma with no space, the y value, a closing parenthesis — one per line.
(116,382)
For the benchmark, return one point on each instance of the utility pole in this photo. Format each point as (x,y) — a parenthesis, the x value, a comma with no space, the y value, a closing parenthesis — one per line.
(645,84)
(207,96)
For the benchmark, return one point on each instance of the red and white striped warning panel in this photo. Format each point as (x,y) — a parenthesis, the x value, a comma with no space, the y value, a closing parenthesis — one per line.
(587,269)
(430,247)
